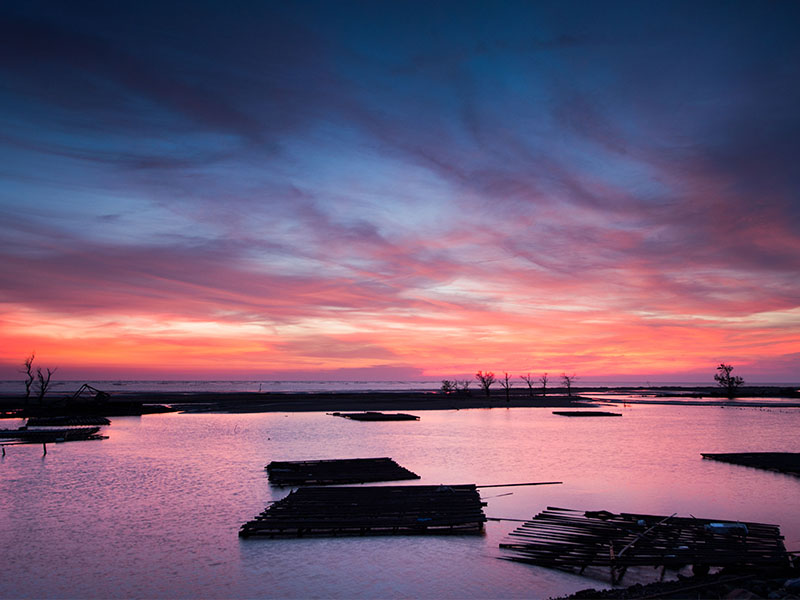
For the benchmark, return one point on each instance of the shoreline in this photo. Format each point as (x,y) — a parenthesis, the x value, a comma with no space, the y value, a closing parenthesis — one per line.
(255,402)
(411,400)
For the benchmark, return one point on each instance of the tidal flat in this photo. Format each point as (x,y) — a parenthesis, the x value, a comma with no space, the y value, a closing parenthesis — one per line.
(155,509)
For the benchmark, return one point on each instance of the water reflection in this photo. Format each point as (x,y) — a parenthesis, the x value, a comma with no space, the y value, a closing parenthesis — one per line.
(155,509)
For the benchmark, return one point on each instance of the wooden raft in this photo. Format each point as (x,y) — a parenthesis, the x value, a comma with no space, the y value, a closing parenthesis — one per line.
(347,470)
(574,540)
(376,416)
(404,510)
(586,413)
(68,421)
(39,436)
(783,462)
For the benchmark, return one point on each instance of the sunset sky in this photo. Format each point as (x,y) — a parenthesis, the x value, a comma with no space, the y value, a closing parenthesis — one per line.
(395,190)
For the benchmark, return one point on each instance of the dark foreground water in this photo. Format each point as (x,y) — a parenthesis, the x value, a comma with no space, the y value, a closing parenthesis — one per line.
(154,510)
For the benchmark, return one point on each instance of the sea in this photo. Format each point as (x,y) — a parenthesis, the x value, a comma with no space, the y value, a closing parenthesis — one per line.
(188,386)
(154,510)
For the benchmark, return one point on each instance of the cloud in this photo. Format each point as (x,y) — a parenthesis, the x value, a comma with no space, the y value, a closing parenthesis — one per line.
(339,183)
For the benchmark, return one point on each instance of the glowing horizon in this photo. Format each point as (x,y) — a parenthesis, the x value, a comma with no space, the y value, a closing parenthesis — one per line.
(608,190)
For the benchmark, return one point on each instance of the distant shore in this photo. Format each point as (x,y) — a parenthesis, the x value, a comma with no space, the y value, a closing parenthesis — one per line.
(366,401)
(254,402)
(413,400)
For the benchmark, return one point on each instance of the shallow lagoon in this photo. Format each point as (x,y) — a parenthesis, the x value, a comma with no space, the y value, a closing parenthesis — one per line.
(154,510)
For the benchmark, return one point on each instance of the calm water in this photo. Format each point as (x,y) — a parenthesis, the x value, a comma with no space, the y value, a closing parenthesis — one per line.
(61,387)
(154,510)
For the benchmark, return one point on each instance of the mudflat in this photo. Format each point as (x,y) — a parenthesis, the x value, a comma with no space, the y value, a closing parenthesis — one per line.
(407,401)
(255,402)
(361,401)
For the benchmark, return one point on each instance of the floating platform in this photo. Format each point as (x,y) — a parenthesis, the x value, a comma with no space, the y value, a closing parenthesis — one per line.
(326,472)
(38,436)
(586,413)
(574,540)
(377,416)
(783,462)
(384,510)
(68,421)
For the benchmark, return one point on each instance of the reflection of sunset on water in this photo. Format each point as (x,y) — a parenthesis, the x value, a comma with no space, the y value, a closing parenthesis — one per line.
(155,509)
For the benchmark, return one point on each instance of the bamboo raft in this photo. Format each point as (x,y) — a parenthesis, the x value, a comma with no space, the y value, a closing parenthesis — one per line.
(38,436)
(68,421)
(384,510)
(586,413)
(783,462)
(334,471)
(376,416)
(573,540)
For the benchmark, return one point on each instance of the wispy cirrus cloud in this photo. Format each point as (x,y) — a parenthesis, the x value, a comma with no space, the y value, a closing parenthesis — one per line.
(528,186)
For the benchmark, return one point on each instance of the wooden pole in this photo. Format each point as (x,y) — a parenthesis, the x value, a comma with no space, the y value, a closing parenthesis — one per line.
(645,532)
(44,445)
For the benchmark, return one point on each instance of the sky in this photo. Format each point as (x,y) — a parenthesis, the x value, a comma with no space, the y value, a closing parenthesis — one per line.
(399,190)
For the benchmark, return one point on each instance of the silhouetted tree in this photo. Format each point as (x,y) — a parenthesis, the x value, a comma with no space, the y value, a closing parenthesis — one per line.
(568,381)
(44,382)
(506,385)
(462,387)
(448,387)
(543,379)
(727,381)
(529,381)
(28,364)
(486,380)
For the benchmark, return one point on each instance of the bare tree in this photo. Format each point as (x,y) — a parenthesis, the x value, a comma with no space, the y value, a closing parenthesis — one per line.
(543,380)
(448,387)
(568,381)
(727,381)
(462,387)
(529,381)
(44,382)
(486,380)
(28,364)
(506,385)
